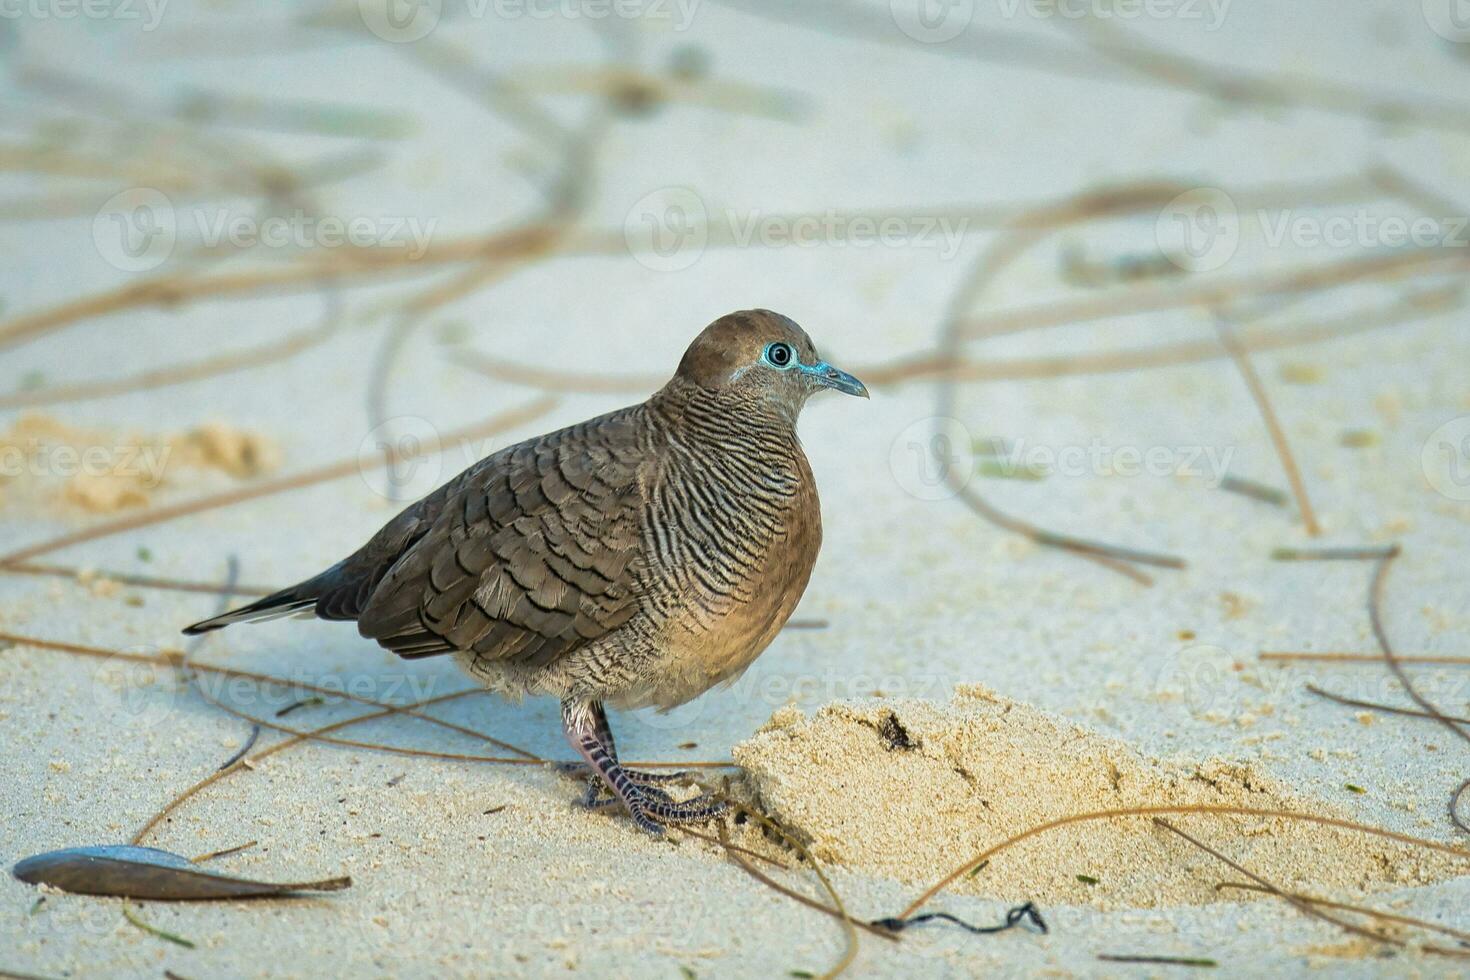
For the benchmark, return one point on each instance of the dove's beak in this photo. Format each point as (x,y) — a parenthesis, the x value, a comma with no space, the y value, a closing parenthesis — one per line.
(828,376)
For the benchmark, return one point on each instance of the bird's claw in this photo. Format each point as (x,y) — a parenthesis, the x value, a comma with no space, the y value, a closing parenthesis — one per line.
(651,808)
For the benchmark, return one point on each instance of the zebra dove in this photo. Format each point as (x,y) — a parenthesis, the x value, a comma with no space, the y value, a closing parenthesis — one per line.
(636,559)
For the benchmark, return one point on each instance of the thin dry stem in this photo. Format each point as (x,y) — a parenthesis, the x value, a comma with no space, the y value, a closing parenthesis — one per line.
(82,576)
(526,757)
(332,471)
(274,352)
(216,776)
(1375,616)
(1025,232)
(1306,908)
(1406,920)
(345,264)
(1150,811)
(1209,292)
(1358,658)
(926,366)
(1273,425)
(1376,706)
(1234,85)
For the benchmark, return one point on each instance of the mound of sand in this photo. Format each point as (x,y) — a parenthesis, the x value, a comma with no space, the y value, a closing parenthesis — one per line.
(912,789)
(44,461)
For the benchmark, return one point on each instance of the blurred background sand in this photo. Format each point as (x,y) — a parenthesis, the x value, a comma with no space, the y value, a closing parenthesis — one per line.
(243,242)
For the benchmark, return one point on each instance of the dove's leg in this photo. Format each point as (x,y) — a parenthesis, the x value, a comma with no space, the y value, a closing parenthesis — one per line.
(605,736)
(586,729)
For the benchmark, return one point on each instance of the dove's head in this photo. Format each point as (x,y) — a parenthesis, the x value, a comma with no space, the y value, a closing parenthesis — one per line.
(763,355)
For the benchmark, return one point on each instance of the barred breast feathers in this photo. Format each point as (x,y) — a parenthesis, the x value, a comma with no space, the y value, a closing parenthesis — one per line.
(730,479)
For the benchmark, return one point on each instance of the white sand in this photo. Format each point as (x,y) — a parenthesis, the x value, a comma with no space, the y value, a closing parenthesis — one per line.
(920,594)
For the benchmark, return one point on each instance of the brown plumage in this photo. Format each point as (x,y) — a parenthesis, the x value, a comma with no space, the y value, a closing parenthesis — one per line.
(636,559)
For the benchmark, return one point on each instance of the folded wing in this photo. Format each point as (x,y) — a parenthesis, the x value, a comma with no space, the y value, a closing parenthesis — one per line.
(535,555)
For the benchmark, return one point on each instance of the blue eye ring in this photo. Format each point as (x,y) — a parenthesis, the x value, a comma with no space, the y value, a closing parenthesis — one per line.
(779,355)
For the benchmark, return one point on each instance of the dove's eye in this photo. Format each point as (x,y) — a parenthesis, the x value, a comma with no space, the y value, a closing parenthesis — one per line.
(779,355)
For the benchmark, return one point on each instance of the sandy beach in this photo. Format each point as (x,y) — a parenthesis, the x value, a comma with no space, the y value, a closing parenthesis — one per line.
(1065,253)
